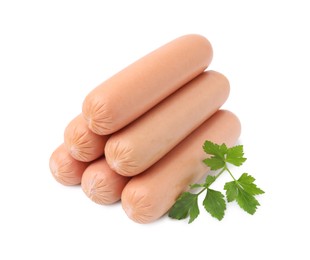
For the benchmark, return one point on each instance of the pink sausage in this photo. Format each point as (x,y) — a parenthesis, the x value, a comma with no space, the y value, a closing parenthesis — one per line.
(101,184)
(64,168)
(134,90)
(151,194)
(81,142)
(139,145)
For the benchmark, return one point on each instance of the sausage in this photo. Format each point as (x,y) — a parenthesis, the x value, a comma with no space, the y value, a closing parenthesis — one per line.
(101,184)
(151,194)
(139,145)
(66,169)
(137,88)
(81,142)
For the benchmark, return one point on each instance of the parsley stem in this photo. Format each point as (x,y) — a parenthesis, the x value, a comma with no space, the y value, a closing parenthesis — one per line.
(226,168)
(216,176)
(201,191)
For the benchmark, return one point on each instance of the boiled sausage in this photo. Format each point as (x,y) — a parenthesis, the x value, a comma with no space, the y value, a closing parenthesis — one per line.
(65,168)
(139,145)
(101,184)
(134,90)
(81,142)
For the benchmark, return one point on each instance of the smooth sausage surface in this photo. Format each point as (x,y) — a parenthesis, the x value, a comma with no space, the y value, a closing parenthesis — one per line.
(134,90)
(83,144)
(139,145)
(151,194)
(65,168)
(101,184)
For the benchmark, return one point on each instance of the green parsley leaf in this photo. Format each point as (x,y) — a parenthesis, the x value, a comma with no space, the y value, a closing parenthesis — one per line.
(214,163)
(196,185)
(215,149)
(185,205)
(235,154)
(247,183)
(209,180)
(247,201)
(243,191)
(231,191)
(217,160)
(215,204)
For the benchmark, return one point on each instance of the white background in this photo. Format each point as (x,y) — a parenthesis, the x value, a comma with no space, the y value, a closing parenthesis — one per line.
(52,53)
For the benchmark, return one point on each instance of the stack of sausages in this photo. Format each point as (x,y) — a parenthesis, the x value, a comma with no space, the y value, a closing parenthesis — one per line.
(140,134)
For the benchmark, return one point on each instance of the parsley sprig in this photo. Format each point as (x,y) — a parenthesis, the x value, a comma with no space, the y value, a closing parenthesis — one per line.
(242,190)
